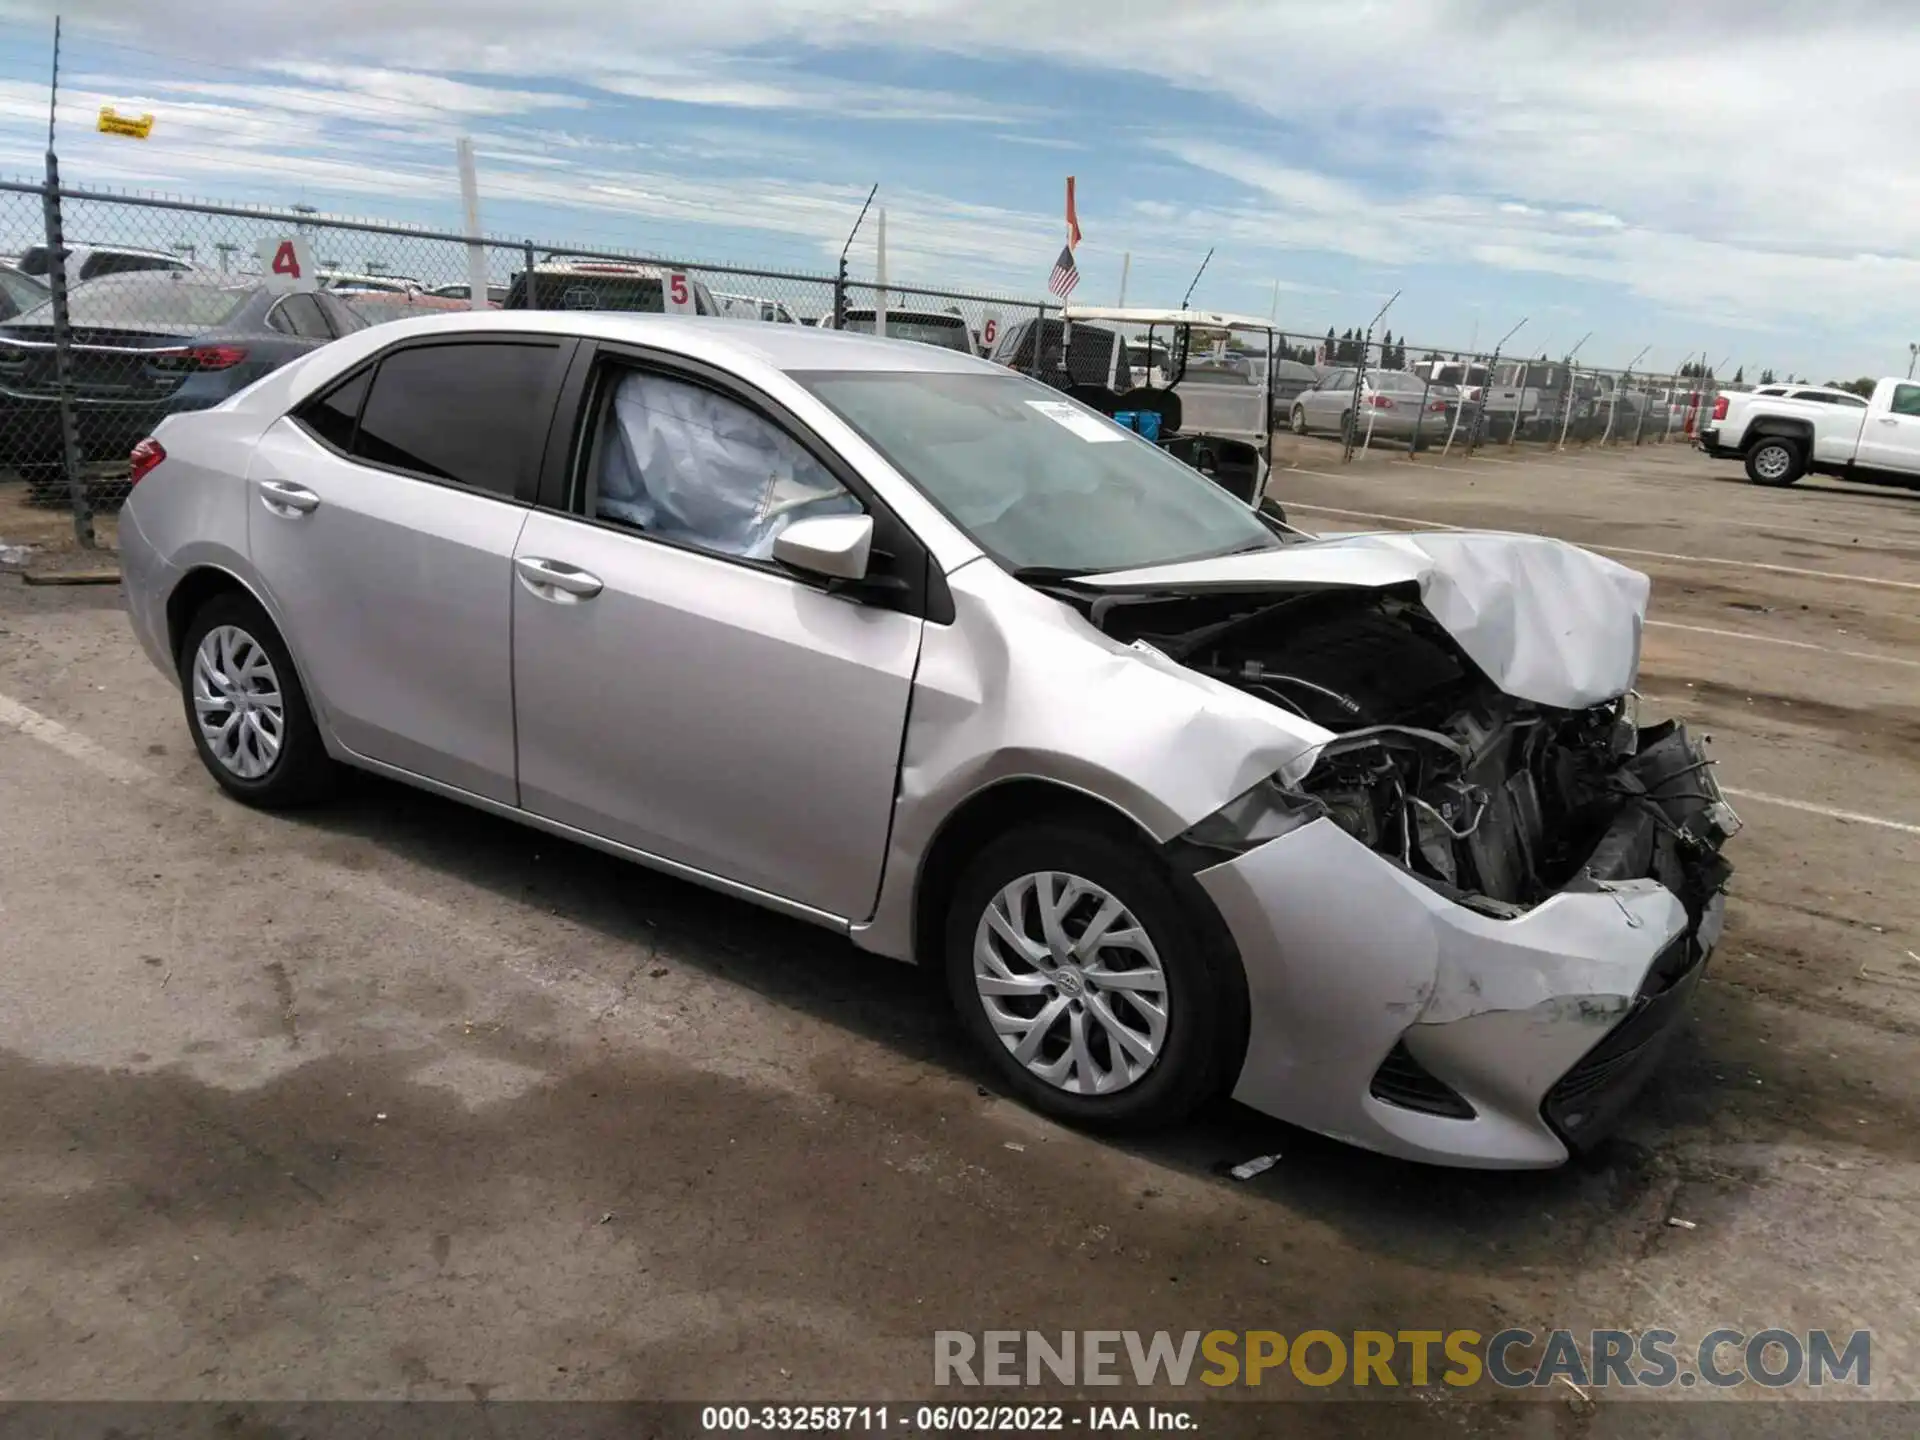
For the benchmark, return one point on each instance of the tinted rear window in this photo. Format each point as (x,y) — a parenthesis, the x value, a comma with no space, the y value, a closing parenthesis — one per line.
(1398,382)
(949,331)
(473,413)
(588,292)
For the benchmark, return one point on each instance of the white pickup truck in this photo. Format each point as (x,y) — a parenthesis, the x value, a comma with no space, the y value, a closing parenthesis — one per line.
(1814,430)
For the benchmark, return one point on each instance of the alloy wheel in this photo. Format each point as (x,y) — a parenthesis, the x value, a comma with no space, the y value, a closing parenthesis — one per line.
(237,702)
(1071,983)
(1772,462)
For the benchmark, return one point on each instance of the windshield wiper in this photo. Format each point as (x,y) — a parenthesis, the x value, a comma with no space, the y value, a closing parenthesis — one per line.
(1046,572)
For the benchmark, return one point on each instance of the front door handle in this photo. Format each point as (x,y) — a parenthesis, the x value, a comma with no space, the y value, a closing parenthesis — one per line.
(1888,420)
(553,580)
(284,498)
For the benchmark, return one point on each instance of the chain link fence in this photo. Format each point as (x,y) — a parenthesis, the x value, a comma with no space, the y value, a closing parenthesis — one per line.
(172,305)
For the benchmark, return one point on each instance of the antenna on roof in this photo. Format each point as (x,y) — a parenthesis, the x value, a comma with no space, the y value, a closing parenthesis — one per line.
(840,284)
(1196,279)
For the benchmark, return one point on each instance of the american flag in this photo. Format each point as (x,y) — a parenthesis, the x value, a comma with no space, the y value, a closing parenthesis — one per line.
(1065,275)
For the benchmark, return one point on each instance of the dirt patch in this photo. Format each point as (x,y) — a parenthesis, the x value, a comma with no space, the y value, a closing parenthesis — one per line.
(40,537)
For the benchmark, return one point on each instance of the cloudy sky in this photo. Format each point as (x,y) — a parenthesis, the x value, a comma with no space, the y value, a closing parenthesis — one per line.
(1728,176)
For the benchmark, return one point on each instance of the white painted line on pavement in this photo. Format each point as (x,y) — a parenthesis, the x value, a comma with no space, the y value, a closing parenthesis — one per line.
(1776,640)
(72,744)
(1292,505)
(1852,816)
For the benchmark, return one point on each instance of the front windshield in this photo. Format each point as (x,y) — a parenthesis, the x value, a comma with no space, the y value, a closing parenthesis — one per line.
(1039,482)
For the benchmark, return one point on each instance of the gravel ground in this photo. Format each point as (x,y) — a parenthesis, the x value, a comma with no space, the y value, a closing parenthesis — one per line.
(397,1100)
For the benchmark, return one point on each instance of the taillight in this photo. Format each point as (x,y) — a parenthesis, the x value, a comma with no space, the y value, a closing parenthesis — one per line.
(147,454)
(1720,408)
(1438,407)
(200,357)
(1380,402)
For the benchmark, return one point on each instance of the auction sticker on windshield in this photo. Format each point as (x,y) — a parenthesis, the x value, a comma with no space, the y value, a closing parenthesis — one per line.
(1090,428)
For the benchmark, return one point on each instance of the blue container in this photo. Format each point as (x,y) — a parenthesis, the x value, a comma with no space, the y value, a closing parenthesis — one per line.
(1145,423)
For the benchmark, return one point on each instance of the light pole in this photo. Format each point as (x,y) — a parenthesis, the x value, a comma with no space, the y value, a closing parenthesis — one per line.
(1913,353)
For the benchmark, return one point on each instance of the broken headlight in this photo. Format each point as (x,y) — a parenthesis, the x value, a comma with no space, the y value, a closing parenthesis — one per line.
(1266,812)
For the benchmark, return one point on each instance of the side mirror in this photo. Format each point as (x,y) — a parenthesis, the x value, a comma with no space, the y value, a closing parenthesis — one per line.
(832,546)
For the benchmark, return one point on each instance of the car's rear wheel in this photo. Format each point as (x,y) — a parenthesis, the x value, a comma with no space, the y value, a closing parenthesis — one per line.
(1775,460)
(1079,970)
(247,713)
(1298,423)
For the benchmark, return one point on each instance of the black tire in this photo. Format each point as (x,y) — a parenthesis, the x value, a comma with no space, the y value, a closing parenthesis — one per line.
(1346,428)
(1775,460)
(1298,422)
(1206,995)
(302,771)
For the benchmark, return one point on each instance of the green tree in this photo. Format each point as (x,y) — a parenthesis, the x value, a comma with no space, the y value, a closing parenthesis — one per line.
(1766,377)
(1740,375)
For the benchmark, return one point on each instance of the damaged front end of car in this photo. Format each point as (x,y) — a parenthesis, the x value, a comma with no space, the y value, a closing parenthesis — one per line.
(1541,886)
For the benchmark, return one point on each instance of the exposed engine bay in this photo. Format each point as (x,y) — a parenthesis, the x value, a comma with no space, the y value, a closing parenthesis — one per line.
(1495,802)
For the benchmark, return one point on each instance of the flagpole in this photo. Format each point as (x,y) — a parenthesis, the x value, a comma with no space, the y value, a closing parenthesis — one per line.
(1066,325)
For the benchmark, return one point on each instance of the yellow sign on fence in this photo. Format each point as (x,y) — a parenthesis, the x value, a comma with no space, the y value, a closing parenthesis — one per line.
(134,127)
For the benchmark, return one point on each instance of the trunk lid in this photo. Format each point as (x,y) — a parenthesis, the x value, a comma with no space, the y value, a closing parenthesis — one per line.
(108,363)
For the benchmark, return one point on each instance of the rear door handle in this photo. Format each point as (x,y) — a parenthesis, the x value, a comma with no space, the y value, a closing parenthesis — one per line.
(284,498)
(554,580)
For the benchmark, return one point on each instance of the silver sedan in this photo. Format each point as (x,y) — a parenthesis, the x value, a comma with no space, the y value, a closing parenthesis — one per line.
(1183,802)
(1390,405)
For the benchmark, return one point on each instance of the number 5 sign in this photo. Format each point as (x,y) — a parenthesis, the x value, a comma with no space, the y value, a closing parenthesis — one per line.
(287,263)
(678,294)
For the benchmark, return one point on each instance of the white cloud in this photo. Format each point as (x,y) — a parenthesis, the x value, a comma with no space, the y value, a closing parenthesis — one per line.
(1739,160)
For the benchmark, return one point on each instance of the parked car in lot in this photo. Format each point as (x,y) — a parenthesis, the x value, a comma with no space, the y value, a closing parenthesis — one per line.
(929,327)
(753,307)
(91,262)
(1181,801)
(349,283)
(496,294)
(19,292)
(1815,430)
(565,282)
(146,346)
(1393,405)
(378,309)
(1096,355)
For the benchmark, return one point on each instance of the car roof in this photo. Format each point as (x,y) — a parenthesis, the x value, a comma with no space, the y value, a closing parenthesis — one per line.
(748,343)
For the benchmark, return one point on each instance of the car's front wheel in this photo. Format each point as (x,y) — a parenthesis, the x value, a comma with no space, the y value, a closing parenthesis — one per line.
(1775,460)
(1298,424)
(248,715)
(1082,974)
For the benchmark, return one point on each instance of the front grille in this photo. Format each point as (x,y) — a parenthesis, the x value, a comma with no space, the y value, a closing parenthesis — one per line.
(1586,1102)
(1402,1080)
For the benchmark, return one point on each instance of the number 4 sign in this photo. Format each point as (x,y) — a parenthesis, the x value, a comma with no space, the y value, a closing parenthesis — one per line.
(678,294)
(286,262)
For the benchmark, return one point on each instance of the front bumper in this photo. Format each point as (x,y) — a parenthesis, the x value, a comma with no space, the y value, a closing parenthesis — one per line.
(1386,1015)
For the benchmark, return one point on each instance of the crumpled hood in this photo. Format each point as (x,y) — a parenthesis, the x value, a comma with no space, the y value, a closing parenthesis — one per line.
(1545,620)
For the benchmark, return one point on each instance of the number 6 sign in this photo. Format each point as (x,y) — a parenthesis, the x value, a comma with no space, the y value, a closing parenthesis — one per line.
(286,263)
